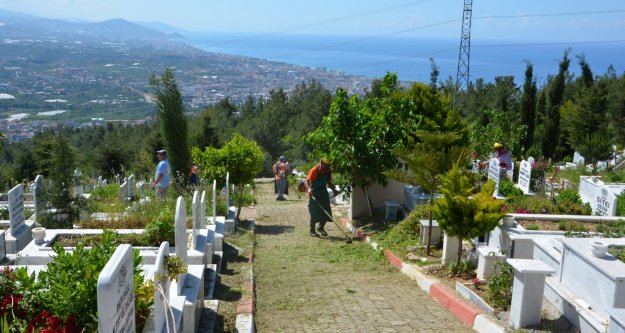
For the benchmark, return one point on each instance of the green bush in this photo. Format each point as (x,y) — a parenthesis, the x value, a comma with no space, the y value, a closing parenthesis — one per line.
(162,228)
(620,204)
(466,268)
(532,226)
(569,196)
(508,190)
(107,192)
(572,226)
(499,286)
(611,229)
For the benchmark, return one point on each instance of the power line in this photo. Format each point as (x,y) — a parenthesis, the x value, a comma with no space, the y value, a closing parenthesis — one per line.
(325,22)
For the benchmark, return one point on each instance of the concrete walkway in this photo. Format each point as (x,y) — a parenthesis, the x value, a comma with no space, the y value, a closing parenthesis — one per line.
(306,284)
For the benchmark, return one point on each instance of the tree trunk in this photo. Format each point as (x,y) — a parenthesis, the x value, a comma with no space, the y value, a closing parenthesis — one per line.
(429,241)
(459,254)
(364,189)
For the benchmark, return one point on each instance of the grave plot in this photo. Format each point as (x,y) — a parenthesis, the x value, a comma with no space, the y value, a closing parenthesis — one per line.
(199,253)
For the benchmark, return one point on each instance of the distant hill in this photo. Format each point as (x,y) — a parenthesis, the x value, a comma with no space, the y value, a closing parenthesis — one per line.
(163,27)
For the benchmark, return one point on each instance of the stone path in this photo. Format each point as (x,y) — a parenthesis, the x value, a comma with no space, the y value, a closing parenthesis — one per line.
(306,284)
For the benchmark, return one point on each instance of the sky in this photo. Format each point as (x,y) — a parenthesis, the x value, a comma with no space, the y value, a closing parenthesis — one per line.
(513,20)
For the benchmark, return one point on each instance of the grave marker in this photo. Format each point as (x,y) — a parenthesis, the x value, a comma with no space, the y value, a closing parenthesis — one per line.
(214,201)
(78,190)
(16,208)
(116,293)
(578,159)
(525,177)
(181,239)
(38,188)
(195,215)
(131,187)
(161,290)
(605,202)
(494,172)
(202,217)
(123,191)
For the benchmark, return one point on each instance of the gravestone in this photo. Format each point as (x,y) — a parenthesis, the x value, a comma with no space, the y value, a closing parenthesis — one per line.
(181,239)
(141,188)
(116,293)
(37,190)
(525,177)
(3,249)
(202,216)
(78,190)
(605,202)
(16,209)
(99,180)
(214,201)
(131,187)
(578,159)
(161,290)
(494,172)
(195,205)
(123,191)
(105,182)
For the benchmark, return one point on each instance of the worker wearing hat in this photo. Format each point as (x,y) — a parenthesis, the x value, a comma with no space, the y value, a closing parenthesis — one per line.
(502,155)
(280,174)
(318,180)
(162,176)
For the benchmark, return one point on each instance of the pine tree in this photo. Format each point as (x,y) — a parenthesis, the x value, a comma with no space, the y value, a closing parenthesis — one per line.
(528,108)
(173,123)
(465,217)
(555,97)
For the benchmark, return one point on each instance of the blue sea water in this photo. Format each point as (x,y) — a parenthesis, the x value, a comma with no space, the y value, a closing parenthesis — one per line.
(410,57)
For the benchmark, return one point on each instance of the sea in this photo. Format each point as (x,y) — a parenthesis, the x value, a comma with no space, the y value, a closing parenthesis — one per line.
(412,58)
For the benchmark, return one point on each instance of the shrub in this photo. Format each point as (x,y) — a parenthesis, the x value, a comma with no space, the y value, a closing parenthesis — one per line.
(405,233)
(532,226)
(508,190)
(620,204)
(569,196)
(611,229)
(499,286)
(466,268)
(161,229)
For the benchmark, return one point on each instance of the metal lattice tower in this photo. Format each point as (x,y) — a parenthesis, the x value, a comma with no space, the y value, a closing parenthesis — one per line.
(462,75)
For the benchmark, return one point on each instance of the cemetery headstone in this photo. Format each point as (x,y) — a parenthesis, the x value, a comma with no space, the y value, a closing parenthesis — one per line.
(161,289)
(131,187)
(99,180)
(141,188)
(214,201)
(494,173)
(116,293)
(78,190)
(605,202)
(195,204)
(123,191)
(578,159)
(202,216)
(16,208)
(525,177)
(181,239)
(37,190)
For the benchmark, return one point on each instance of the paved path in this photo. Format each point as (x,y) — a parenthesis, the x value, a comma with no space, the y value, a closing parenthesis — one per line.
(306,284)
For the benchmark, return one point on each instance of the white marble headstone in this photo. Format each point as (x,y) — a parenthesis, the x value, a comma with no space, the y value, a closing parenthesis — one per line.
(161,289)
(16,208)
(494,173)
(578,159)
(123,191)
(38,188)
(116,293)
(131,187)
(181,239)
(195,205)
(525,177)
(605,202)
(214,201)
(202,216)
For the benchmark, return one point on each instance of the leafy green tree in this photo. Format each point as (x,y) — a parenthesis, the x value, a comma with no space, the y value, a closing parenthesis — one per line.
(241,157)
(59,162)
(425,161)
(173,122)
(463,216)
(528,108)
(595,147)
(616,106)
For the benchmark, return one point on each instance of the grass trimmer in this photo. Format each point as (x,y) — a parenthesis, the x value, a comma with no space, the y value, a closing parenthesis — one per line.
(348,236)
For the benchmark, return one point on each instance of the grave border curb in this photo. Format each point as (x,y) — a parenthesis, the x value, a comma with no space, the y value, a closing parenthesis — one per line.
(466,312)
(245,309)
